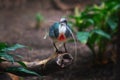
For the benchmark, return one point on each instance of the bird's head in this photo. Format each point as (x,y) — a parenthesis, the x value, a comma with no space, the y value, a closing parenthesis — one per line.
(63,25)
(63,20)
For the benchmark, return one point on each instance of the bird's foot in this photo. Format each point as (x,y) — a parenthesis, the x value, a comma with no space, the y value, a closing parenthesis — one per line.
(66,52)
(59,52)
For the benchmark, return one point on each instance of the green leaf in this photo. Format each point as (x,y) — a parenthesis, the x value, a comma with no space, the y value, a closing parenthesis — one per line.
(14,47)
(27,71)
(39,17)
(19,56)
(3,45)
(7,56)
(92,39)
(76,11)
(102,33)
(112,24)
(22,63)
(21,70)
(116,7)
(91,21)
(83,37)
(71,40)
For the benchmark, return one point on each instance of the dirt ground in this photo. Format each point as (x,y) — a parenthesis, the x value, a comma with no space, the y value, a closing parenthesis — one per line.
(18,26)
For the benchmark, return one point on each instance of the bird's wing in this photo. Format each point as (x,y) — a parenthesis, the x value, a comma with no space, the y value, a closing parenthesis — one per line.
(68,31)
(53,30)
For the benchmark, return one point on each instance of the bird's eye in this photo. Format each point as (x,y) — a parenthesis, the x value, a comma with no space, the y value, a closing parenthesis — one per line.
(61,24)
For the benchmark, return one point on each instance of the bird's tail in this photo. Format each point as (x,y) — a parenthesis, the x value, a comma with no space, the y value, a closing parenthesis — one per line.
(75,43)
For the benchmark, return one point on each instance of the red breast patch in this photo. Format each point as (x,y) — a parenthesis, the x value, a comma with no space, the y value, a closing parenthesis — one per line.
(61,37)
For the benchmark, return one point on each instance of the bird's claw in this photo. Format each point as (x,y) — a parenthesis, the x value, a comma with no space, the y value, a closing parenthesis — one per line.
(59,52)
(66,52)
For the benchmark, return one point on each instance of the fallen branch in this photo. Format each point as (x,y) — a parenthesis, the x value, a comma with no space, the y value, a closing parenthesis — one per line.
(44,67)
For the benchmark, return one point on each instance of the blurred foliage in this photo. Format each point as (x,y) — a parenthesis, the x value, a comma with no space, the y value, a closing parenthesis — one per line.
(39,20)
(97,24)
(6,56)
(39,17)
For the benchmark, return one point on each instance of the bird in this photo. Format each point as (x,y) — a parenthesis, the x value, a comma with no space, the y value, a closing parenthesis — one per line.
(60,32)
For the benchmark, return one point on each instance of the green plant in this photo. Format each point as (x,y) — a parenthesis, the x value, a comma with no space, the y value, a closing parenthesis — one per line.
(39,20)
(6,56)
(97,25)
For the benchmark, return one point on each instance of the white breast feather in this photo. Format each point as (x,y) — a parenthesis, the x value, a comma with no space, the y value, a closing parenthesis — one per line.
(62,29)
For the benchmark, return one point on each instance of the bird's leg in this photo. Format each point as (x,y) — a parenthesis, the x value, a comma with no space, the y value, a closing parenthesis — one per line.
(55,46)
(65,47)
(57,51)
